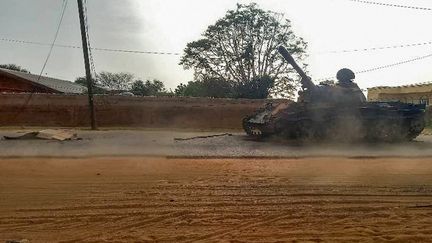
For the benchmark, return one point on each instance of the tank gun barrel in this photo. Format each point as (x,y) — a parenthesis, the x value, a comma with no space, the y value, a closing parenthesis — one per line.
(306,81)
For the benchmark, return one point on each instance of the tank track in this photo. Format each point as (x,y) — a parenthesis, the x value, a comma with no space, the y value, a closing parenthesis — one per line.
(252,130)
(374,122)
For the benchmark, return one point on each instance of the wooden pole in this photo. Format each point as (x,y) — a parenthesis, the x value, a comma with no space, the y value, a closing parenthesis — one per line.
(87,65)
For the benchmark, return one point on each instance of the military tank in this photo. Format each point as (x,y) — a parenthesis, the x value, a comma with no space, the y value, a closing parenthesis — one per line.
(322,113)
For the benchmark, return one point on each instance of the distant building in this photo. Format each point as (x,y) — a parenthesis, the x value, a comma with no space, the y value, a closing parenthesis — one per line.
(414,94)
(19,82)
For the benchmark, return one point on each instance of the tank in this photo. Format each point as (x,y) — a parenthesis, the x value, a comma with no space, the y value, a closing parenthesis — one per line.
(322,112)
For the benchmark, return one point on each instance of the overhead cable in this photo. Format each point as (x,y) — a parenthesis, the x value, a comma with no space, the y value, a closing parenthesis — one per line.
(93,48)
(392,5)
(378,48)
(394,64)
(138,52)
(26,102)
(64,6)
(177,54)
(383,67)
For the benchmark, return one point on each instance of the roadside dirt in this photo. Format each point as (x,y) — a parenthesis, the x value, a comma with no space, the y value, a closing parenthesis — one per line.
(209,200)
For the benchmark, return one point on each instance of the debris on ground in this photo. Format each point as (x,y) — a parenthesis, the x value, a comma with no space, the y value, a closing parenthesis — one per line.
(47,134)
(18,241)
(198,137)
(421,206)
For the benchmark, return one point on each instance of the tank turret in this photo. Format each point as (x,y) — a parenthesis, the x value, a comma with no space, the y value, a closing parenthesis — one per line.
(345,91)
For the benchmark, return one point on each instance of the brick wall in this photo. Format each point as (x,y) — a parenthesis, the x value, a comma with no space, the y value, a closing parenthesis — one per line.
(52,110)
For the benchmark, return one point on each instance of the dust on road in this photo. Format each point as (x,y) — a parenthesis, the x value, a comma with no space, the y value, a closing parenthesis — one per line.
(167,143)
(244,200)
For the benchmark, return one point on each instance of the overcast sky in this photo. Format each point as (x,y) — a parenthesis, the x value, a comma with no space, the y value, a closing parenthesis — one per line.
(167,25)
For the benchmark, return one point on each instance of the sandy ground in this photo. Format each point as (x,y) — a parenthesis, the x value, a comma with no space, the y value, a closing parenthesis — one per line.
(215,200)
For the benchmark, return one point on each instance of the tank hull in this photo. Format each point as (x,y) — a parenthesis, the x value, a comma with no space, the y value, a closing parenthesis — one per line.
(369,121)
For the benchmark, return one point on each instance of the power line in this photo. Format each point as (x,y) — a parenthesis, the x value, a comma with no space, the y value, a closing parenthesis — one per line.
(384,66)
(175,53)
(178,54)
(64,6)
(138,52)
(377,48)
(392,5)
(93,48)
(37,43)
(395,64)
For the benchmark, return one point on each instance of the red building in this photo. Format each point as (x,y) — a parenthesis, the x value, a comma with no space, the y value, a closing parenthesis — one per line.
(20,82)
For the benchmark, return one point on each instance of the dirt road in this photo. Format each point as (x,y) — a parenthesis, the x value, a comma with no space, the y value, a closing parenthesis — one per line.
(164,143)
(185,200)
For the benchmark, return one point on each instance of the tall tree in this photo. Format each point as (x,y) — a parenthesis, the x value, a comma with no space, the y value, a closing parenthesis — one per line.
(241,48)
(96,87)
(115,81)
(208,87)
(105,82)
(14,67)
(148,88)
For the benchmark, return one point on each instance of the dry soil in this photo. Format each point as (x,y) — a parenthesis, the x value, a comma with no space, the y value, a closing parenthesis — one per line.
(237,200)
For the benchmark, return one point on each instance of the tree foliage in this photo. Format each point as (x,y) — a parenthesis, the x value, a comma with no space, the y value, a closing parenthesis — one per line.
(241,48)
(109,81)
(115,81)
(257,88)
(14,67)
(106,82)
(209,87)
(96,88)
(148,88)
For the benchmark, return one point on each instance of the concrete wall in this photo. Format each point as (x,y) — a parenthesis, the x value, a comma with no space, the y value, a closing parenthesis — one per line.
(414,94)
(119,111)
(412,98)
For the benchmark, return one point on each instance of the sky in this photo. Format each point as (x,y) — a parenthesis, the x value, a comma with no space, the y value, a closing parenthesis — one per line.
(168,25)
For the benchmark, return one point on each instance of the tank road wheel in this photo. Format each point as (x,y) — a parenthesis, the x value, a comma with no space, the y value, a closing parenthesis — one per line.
(252,130)
(345,129)
(415,128)
(390,131)
(305,131)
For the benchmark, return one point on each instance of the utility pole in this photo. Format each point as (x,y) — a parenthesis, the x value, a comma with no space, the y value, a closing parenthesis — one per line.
(87,65)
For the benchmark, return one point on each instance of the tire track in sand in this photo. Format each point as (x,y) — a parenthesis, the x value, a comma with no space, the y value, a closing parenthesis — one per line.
(129,227)
(240,227)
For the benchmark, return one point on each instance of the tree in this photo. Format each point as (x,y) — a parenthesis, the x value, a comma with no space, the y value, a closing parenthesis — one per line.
(105,82)
(218,88)
(96,88)
(241,47)
(192,89)
(209,87)
(257,88)
(148,88)
(115,81)
(14,67)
